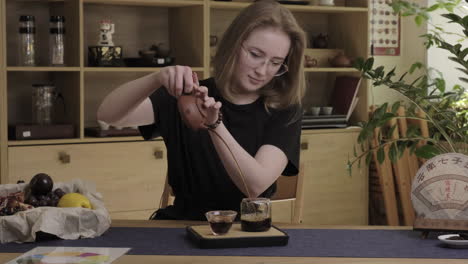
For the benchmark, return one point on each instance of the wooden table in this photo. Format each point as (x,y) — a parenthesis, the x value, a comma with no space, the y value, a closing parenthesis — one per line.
(139,259)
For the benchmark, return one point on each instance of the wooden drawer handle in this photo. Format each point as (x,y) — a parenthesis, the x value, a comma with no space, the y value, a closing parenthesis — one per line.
(64,157)
(304,145)
(158,154)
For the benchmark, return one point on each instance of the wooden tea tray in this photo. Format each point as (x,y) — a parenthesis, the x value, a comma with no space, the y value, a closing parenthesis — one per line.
(236,238)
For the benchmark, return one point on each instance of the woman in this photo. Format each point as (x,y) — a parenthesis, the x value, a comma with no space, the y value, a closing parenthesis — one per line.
(257,86)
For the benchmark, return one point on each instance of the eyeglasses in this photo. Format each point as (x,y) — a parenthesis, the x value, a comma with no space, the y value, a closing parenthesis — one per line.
(257,59)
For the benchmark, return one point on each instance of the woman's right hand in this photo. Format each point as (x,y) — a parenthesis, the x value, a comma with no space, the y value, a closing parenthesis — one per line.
(177,79)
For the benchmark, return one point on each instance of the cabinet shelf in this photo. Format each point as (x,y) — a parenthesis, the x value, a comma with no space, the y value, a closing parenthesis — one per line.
(43,142)
(330,69)
(85,140)
(42,69)
(111,139)
(296,8)
(130,69)
(161,3)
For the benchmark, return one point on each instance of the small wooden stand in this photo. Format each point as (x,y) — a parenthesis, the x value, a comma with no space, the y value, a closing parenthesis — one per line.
(103,56)
(427,225)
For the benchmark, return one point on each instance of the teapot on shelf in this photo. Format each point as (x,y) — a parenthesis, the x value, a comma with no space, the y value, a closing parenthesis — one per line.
(309,61)
(320,41)
(340,60)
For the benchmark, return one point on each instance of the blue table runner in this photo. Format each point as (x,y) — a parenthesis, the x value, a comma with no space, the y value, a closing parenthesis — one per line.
(302,243)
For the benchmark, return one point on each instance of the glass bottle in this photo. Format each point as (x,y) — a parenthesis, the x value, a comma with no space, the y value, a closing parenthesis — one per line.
(43,99)
(57,41)
(27,49)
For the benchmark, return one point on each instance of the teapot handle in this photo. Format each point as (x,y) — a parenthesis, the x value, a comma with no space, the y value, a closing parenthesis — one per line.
(59,96)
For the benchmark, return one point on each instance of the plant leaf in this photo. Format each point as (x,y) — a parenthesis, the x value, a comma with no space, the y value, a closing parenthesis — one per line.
(401,149)
(395,107)
(391,131)
(433,7)
(368,64)
(385,118)
(393,153)
(414,66)
(413,148)
(381,155)
(427,151)
(368,158)
(419,19)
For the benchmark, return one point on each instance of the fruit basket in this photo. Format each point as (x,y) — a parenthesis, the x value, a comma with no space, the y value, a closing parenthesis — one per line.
(63,222)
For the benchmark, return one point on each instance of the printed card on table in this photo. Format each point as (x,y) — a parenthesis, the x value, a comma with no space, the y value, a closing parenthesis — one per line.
(70,255)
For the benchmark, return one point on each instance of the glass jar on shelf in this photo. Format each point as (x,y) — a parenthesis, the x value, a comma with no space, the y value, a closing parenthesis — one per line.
(44,98)
(27,43)
(57,41)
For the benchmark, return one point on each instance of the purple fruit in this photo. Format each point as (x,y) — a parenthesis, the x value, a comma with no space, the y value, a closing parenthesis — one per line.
(41,184)
(42,203)
(59,192)
(32,201)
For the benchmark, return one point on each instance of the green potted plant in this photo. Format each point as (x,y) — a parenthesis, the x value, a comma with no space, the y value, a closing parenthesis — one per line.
(445,111)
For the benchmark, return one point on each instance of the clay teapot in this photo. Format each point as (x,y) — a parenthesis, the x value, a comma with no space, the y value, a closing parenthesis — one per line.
(320,42)
(192,111)
(340,60)
(309,61)
(163,49)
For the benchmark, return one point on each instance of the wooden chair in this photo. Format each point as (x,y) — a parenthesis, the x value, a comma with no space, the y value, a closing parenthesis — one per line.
(289,188)
(167,197)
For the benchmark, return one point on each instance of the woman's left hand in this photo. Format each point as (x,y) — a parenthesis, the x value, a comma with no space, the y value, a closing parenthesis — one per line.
(209,104)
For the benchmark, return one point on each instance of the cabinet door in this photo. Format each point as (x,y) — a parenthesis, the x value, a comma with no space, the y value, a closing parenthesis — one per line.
(331,195)
(130,176)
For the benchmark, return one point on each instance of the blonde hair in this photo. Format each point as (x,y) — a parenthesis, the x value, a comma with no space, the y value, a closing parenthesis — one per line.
(282,91)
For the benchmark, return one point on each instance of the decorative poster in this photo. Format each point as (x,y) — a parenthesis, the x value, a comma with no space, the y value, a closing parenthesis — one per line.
(385,29)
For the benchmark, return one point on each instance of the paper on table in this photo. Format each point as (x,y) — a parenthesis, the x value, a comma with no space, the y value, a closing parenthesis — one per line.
(70,255)
(65,223)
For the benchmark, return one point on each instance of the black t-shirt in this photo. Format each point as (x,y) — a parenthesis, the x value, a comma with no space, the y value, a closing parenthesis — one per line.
(195,172)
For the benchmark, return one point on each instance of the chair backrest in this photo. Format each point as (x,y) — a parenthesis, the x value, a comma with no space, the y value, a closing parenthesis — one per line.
(167,197)
(289,188)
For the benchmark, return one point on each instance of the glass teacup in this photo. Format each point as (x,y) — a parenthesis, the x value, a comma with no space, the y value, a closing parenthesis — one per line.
(220,221)
(255,214)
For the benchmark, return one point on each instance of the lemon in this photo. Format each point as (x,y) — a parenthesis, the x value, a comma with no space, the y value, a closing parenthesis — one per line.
(74,200)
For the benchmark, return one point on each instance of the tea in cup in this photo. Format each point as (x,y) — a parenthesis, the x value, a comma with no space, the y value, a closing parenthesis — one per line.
(255,214)
(220,221)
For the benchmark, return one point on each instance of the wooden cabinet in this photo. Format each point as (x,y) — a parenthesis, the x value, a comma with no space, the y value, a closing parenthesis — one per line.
(332,196)
(116,164)
(130,176)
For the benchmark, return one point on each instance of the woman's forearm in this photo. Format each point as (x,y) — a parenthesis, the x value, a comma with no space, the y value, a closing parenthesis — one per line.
(124,99)
(257,175)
